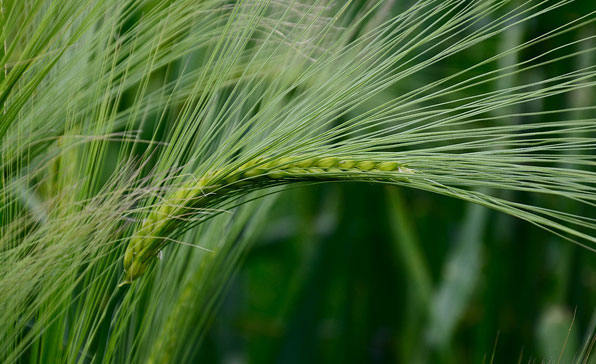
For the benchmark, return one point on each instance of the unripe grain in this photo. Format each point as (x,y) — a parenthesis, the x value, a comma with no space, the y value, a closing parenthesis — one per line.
(145,244)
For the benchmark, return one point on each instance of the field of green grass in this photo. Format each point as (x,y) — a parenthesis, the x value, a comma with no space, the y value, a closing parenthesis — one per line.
(282,181)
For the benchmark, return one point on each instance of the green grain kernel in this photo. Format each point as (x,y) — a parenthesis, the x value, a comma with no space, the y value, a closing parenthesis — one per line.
(387,166)
(251,164)
(181,195)
(327,162)
(283,161)
(165,210)
(254,172)
(295,171)
(135,270)
(366,165)
(305,163)
(277,174)
(129,254)
(346,164)
(316,170)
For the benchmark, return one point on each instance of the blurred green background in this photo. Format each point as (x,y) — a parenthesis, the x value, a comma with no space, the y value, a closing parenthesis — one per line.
(363,273)
(354,273)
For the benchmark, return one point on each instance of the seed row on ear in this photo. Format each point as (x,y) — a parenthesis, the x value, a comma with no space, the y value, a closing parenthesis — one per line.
(148,240)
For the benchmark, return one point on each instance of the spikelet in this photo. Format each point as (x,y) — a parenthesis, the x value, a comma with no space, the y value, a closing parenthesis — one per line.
(149,238)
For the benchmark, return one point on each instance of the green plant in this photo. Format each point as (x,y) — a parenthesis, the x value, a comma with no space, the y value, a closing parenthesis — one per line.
(129,124)
(220,184)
